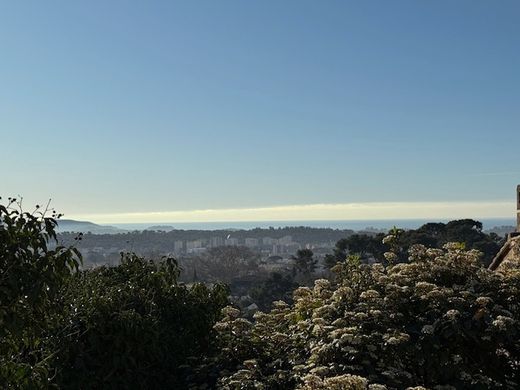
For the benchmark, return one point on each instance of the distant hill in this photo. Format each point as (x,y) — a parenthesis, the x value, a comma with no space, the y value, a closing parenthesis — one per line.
(70,225)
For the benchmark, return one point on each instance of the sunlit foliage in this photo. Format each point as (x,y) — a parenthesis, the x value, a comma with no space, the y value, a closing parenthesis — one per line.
(441,319)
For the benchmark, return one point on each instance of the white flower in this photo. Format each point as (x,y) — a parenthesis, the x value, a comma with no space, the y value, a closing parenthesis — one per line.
(452,314)
(390,256)
(369,294)
(483,301)
(322,283)
(231,312)
(388,239)
(502,322)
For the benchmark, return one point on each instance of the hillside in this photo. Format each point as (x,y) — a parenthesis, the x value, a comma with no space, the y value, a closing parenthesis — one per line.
(70,225)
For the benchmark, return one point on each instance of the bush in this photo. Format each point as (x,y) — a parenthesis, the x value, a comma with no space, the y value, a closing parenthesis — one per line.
(129,326)
(132,326)
(441,319)
(31,277)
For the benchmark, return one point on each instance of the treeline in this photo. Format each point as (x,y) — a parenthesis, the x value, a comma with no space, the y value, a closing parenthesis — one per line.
(148,240)
(434,235)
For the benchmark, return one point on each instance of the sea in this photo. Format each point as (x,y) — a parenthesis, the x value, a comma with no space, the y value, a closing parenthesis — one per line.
(488,223)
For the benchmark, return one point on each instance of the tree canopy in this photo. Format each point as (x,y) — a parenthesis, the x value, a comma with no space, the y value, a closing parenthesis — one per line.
(129,326)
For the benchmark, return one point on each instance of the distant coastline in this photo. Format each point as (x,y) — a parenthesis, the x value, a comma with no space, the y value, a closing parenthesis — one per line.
(488,223)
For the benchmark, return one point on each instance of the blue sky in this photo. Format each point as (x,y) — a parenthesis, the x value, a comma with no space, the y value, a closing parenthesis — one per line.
(134,107)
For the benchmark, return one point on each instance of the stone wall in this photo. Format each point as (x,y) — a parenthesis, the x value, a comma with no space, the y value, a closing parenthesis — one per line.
(511,255)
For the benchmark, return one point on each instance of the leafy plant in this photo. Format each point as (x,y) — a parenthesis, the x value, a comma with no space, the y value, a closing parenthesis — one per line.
(128,326)
(440,320)
(33,268)
(134,326)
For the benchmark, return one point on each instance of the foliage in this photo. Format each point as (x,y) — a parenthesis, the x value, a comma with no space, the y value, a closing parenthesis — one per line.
(362,245)
(222,263)
(304,264)
(433,235)
(276,287)
(150,241)
(467,231)
(31,276)
(133,326)
(130,326)
(440,320)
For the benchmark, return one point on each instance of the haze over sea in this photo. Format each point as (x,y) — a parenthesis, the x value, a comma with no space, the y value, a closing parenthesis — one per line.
(487,223)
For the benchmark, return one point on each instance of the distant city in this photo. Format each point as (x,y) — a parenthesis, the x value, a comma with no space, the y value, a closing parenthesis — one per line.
(271,241)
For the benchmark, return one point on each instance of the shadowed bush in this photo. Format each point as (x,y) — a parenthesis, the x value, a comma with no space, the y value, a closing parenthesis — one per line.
(129,326)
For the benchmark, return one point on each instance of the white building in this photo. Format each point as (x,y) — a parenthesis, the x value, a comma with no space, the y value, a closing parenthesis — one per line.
(231,241)
(216,241)
(193,245)
(251,242)
(178,246)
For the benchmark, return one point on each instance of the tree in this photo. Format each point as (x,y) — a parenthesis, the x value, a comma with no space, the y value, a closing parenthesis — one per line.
(134,326)
(128,326)
(223,263)
(277,287)
(363,245)
(304,263)
(431,234)
(33,268)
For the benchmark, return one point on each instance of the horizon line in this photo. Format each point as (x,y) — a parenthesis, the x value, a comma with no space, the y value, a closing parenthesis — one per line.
(315,212)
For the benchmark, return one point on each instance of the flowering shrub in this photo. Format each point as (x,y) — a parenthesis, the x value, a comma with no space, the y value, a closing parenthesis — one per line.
(439,320)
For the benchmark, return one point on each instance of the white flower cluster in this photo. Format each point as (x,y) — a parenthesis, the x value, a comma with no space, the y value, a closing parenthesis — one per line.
(391,257)
(369,294)
(359,324)
(453,246)
(502,322)
(231,312)
(424,287)
(389,239)
(452,315)
(483,301)
(341,382)
(396,338)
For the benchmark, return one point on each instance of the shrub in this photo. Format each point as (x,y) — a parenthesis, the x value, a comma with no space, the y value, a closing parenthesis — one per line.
(31,276)
(440,320)
(133,326)
(129,326)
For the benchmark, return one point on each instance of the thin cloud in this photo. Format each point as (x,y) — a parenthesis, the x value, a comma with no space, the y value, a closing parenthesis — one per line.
(309,212)
(495,174)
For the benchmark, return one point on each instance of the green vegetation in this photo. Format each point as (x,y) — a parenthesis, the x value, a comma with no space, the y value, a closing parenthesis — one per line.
(441,319)
(130,326)
(31,279)
(304,266)
(433,235)
(422,317)
(277,287)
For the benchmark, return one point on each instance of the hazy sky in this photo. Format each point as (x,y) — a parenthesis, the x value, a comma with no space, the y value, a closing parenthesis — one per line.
(116,107)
